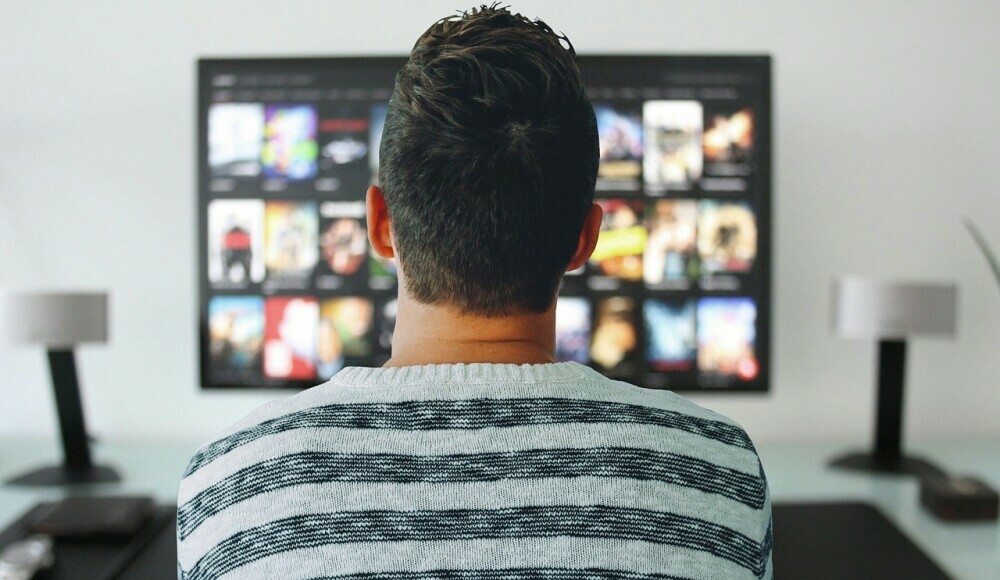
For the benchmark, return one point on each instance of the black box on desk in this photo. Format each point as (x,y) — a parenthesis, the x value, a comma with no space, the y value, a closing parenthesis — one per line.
(959,498)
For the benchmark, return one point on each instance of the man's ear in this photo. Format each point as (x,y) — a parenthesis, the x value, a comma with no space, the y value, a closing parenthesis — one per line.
(588,237)
(379,231)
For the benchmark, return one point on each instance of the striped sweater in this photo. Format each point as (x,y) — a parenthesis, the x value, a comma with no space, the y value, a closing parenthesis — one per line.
(476,472)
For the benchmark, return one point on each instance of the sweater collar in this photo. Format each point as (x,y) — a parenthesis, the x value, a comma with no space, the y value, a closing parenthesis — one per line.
(475,373)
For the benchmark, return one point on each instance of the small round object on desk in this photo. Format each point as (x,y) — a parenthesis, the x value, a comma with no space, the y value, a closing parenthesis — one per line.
(23,559)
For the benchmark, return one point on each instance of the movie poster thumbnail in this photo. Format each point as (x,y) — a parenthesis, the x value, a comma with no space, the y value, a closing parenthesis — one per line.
(375,138)
(235,139)
(235,243)
(236,337)
(291,243)
(343,153)
(670,260)
(727,237)
(620,142)
(290,325)
(729,137)
(290,148)
(726,340)
(614,344)
(381,271)
(575,282)
(672,139)
(573,329)
(343,334)
(343,244)
(671,340)
(622,241)
(385,326)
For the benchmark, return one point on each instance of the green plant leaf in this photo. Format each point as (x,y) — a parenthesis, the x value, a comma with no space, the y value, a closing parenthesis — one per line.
(981,242)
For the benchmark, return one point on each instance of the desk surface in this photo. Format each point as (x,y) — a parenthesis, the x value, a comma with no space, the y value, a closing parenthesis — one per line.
(967,551)
(796,472)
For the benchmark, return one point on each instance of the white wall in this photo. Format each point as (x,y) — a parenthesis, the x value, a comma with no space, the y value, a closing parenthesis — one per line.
(887,133)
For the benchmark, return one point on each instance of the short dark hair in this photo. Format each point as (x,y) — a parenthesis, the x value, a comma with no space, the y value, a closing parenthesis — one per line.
(488,161)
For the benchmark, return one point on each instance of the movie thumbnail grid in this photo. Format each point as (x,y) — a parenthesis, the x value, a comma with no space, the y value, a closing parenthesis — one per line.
(672,231)
(273,340)
(663,244)
(671,245)
(656,147)
(271,246)
(661,342)
(294,148)
(665,147)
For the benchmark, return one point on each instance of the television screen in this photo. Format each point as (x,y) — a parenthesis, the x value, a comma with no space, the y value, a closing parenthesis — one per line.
(676,295)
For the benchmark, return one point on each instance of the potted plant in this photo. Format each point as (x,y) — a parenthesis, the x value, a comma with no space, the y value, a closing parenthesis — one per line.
(981,242)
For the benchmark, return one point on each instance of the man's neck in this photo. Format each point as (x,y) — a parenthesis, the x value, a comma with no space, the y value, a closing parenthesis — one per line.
(429,334)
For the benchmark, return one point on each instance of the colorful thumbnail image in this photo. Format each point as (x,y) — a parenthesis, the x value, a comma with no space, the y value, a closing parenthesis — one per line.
(726,336)
(620,143)
(671,254)
(671,343)
(346,142)
(614,346)
(344,241)
(729,138)
(235,138)
(387,324)
(235,333)
(291,237)
(381,271)
(727,236)
(622,240)
(290,148)
(672,136)
(235,242)
(290,337)
(572,329)
(343,151)
(345,327)
(375,137)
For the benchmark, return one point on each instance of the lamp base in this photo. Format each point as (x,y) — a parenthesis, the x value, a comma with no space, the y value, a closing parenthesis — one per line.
(892,465)
(62,475)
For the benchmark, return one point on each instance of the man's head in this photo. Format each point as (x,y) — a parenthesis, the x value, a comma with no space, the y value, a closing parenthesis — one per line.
(487,165)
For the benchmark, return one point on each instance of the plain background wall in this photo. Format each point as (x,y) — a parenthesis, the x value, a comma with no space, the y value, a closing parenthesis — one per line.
(886,132)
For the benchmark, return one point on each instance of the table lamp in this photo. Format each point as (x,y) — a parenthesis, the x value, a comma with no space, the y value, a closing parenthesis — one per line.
(60,321)
(891,312)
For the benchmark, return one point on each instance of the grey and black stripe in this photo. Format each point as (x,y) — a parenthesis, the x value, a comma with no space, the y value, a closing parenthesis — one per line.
(471,414)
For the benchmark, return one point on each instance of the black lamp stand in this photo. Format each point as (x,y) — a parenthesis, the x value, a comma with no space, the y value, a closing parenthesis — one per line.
(887,457)
(77,467)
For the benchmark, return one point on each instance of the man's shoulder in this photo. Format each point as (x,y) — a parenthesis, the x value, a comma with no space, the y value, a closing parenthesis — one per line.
(669,410)
(258,427)
(586,397)
(666,400)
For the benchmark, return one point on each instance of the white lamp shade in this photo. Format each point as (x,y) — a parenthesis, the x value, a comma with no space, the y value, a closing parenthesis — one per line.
(866,308)
(53,319)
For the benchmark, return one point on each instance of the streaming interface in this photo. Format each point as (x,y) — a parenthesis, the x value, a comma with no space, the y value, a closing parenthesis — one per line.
(675,296)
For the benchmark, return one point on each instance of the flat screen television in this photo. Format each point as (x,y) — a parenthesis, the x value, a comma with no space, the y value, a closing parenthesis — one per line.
(677,295)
